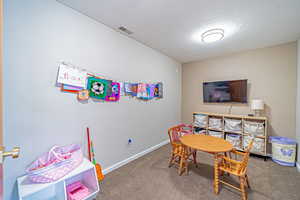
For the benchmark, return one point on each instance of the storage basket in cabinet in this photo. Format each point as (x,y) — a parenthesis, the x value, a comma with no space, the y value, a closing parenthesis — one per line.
(235,140)
(215,134)
(215,123)
(258,144)
(233,125)
(200,120)
(198,130)
(254,128)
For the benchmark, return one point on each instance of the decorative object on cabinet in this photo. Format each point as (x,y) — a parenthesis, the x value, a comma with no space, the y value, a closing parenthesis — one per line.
(257,105)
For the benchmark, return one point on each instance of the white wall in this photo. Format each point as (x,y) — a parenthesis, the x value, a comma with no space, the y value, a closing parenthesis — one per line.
(298,106)
(39,34)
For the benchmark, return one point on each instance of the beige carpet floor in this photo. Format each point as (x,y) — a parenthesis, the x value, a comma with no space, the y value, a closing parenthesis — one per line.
(149,178)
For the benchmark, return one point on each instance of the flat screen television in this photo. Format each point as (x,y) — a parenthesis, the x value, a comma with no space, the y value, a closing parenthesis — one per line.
(225,91)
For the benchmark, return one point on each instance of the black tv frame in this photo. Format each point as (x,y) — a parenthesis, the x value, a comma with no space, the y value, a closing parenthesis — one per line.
(226,102)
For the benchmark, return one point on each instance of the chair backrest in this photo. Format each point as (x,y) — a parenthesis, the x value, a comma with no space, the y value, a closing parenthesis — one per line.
(245,159)
(177,131)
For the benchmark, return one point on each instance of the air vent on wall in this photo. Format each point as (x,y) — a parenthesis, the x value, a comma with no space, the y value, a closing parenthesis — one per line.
(125,30)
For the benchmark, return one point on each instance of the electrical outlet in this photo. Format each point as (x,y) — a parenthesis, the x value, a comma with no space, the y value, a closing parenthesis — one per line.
(129,141)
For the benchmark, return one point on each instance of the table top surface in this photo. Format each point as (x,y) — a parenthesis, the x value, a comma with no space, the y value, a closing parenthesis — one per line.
(206,143)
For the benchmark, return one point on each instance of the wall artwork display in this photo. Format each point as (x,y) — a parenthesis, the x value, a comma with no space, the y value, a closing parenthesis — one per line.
(71,76)
(97,88)
(70,88)
(158,91)
(150,91)
(109,88)
(127,89)
(146,91)
(130,89)
(134,87)
(115,94)
(122,92)
(83,95)
(142,91)
(75,80)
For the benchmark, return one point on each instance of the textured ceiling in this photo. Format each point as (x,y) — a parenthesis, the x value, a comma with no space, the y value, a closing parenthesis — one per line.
(169,25)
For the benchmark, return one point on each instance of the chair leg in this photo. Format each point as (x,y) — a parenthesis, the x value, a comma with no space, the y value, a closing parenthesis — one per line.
(221,173)
(195,158)
(186,165)
(171,159)
(216,179)
(181,164)
(247,181)
(242,184)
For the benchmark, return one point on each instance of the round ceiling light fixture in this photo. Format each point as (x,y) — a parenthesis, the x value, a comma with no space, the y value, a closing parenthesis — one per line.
(212,35)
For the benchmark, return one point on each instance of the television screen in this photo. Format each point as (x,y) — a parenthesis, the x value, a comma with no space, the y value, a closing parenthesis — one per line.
(225,91)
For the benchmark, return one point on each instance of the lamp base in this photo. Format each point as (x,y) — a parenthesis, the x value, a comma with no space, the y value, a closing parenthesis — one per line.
(257,113)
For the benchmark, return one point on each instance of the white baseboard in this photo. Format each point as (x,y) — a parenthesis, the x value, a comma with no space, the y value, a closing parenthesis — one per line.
(136,156)
(298,166)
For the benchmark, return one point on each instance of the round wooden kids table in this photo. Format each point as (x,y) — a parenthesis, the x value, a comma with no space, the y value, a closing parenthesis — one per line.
(208,144)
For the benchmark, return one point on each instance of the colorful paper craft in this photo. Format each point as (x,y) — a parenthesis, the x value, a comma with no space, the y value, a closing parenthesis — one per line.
(127,89)
(158,91)
(74,80)
(109,88)
(122,92)
(115,96)
(134,87)
(150,91)
(97,88)
(83,95)
(71,76)
(130,89)
(142,91)
(70,88)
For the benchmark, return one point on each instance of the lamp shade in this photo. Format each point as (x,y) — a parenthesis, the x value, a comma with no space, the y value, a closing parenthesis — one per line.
(257,104)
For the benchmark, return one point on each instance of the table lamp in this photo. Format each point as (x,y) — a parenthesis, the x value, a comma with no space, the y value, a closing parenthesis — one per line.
(257,105)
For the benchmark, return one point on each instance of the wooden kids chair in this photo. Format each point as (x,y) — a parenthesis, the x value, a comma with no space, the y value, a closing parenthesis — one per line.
(236,167)
(180,154)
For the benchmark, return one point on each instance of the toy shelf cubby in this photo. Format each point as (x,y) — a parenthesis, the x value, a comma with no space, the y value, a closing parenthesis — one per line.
(85,173)
(260,140)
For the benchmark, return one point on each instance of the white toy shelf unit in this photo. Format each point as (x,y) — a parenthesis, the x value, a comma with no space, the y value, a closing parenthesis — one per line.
(85,173)
(237,129)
